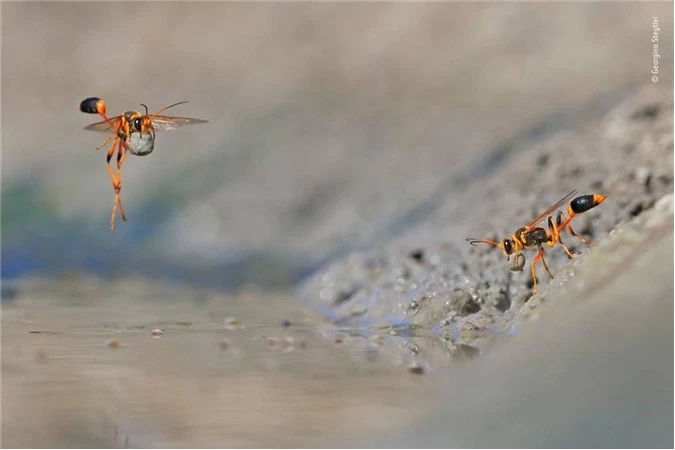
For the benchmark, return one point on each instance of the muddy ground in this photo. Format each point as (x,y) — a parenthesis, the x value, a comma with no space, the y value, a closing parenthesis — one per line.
(304,253)
(425,279)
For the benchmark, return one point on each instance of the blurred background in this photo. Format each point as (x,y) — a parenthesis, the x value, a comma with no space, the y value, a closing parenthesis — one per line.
(394,128)
(331,126)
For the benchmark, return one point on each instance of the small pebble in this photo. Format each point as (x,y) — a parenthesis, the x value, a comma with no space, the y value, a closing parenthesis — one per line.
(231,323)
(286,323)
(111,343)
(157,332)
(224,345)
(418,255)
(288,343)
(416,368)
(273,342)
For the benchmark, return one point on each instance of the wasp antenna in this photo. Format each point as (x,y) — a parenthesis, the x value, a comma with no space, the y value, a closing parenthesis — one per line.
(170,106)
(474,241)
(146,109)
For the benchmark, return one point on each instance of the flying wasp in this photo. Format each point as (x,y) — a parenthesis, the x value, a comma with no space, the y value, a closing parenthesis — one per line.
(132,132)
(531,235)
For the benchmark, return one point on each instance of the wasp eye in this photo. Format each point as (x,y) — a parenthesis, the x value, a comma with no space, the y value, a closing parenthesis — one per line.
(507,246)
(137,124)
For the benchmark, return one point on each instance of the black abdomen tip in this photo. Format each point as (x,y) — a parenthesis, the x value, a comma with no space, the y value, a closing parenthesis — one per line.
(584,203)
(88,105)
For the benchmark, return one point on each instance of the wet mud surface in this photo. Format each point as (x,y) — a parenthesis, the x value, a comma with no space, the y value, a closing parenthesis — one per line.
(459,292)
(85,363)
(590,362)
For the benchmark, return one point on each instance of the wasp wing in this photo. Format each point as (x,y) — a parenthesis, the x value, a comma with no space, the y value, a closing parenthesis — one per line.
(553,208)
(168,123)
(106,126)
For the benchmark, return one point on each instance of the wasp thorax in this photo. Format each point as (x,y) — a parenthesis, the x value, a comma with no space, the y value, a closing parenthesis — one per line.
(140,144)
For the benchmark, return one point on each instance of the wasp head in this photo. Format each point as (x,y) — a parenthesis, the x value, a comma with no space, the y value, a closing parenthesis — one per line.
(508,246)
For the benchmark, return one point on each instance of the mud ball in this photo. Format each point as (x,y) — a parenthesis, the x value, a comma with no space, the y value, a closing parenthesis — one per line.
(140,144)
(517,263)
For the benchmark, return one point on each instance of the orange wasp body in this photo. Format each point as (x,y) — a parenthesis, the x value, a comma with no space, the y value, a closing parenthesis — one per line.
(531,236)
(132,132)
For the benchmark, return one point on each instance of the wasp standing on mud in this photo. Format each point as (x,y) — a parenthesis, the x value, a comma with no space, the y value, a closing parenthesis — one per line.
(531,236)
(131,131)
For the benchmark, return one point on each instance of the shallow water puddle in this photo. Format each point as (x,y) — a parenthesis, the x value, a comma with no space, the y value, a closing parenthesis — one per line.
(159,365)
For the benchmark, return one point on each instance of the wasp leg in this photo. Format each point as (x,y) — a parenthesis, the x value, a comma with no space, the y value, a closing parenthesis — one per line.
(534,273)
(102,144)
(555,235)
(121,156)
(120,149)
(562,219)
(113,179)
(539,255)
(570,255)
(589,243)
(116,182)
(546,265)
(117,185)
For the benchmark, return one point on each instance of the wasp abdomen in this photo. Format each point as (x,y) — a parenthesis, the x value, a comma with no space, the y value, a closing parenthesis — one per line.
(585,202)
(92,105)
